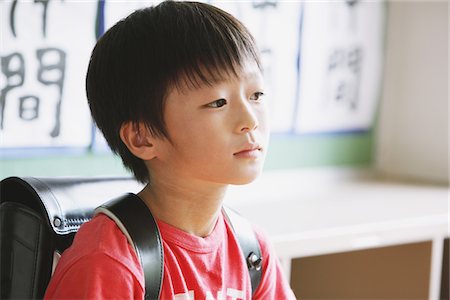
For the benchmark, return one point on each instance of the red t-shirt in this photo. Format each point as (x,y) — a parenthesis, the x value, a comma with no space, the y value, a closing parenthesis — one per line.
(101,264)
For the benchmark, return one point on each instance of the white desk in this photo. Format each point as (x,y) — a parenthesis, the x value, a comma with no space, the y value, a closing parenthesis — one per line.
(308,213)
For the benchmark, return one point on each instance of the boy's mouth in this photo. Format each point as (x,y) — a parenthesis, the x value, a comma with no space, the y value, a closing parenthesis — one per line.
(252,150)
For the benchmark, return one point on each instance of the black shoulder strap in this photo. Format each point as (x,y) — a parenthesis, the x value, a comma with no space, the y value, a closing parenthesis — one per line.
(143,235)
(249,245)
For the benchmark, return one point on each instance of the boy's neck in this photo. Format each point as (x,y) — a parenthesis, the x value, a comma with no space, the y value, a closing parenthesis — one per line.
(185,206)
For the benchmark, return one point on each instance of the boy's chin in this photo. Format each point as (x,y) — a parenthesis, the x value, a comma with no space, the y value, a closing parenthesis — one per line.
(249,178)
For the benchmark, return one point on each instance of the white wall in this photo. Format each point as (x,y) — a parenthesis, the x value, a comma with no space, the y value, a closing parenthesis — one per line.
(412,132)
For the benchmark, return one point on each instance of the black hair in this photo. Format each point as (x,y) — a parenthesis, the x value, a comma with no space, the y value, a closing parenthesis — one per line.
(136,61)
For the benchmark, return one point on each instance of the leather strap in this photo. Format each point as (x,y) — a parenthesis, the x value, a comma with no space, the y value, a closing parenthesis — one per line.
(134,218)
(249,245)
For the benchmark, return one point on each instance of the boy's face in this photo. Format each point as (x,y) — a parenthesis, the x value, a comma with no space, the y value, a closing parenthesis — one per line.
(217,133)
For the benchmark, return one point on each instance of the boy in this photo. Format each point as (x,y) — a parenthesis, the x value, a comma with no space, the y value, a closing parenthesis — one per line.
(177,91)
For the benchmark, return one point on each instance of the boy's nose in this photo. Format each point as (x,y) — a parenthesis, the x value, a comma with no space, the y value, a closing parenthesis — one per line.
(248,120)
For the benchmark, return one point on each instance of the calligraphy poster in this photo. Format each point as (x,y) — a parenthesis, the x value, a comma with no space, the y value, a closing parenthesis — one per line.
(340,66)
(322,65)
(45,48)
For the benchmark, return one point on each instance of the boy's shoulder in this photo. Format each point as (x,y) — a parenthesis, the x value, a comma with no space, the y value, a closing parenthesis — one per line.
(101,237)
(99,264)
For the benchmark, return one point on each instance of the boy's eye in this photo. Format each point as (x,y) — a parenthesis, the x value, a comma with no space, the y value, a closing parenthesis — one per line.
(257,96)
(218,103)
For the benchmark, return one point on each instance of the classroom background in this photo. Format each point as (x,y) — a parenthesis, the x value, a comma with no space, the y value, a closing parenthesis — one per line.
(354,192)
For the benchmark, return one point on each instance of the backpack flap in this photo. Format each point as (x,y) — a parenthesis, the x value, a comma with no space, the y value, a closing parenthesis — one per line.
(26,248)
(67,202)
(40,216)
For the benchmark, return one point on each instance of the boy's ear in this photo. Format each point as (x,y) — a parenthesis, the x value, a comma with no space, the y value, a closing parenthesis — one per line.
(138,140)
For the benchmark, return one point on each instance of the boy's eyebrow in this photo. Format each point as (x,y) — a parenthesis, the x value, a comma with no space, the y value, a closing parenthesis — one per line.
(204,76)
(240,75)
(253,74)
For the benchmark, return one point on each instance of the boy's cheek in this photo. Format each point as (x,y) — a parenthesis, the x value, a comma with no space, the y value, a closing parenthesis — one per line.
(264,124)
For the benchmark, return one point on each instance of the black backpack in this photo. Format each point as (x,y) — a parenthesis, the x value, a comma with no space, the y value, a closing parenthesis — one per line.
(39,218)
